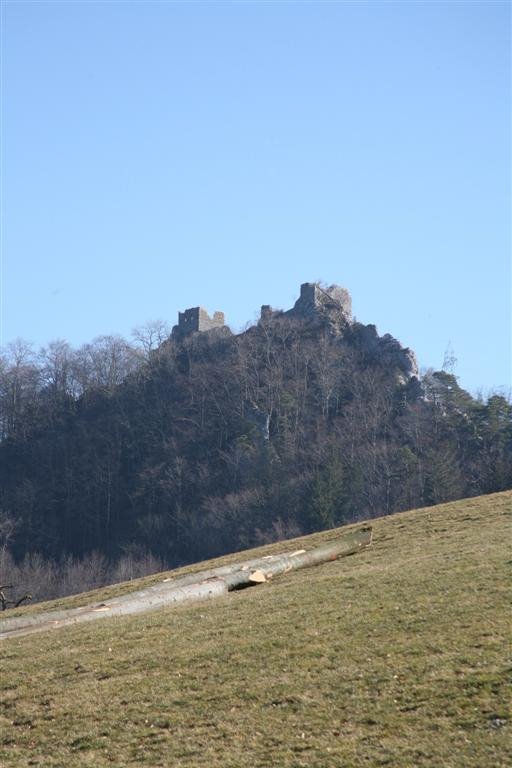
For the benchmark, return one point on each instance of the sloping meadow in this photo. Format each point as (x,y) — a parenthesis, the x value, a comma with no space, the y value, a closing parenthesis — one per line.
(399,655)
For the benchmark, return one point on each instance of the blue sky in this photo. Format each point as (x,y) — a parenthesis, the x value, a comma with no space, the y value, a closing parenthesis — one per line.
(162,155)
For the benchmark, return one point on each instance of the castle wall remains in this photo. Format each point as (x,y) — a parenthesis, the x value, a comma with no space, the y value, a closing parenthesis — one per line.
(197,319)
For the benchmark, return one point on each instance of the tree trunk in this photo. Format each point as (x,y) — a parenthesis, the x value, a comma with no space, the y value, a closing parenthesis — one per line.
(267,568)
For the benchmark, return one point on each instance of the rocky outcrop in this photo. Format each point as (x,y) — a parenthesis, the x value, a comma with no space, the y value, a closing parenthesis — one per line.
(385,349)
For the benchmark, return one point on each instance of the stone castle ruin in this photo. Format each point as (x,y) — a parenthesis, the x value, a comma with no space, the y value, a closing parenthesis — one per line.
(314,301)
(197,319)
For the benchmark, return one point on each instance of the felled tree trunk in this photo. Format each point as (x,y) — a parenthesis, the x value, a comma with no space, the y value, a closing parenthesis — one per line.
(268,568)
(203,585)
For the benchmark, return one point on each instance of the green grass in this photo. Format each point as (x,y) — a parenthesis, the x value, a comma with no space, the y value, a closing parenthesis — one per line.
(398,656)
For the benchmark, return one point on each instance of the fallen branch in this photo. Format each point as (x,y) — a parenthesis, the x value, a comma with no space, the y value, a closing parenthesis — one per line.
(5,603)
(22,600)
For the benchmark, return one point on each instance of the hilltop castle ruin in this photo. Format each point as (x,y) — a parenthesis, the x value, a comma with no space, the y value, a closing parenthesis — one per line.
(330,305)
(197,319)
(314,300)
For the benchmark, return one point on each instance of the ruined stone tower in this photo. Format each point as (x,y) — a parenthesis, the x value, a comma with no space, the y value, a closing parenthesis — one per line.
(314,297)
(315,300)
(197,319)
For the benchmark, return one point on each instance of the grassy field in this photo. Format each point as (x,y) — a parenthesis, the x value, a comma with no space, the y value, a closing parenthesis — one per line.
(398,656)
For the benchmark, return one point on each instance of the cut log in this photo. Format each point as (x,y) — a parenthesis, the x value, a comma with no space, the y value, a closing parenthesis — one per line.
(279,564)
(204,585)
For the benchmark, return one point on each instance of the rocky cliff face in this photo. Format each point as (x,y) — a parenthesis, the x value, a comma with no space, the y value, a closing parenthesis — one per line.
(386,349)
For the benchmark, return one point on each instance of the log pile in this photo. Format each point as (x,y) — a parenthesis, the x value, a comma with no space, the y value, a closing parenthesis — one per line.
(203,585)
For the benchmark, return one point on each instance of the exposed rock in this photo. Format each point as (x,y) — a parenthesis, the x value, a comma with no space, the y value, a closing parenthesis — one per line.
(260,419)
(385,348)
(316,300)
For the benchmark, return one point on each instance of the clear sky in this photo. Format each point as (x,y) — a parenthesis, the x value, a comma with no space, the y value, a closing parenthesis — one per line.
(161,155)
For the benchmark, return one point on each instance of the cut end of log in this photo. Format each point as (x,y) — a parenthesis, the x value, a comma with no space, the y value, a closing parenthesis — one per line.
(257,577)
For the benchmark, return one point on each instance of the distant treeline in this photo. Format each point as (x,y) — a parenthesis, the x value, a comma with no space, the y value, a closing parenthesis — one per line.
(182,450)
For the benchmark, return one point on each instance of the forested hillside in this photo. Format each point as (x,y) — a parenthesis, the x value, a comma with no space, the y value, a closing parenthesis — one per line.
(188,447)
